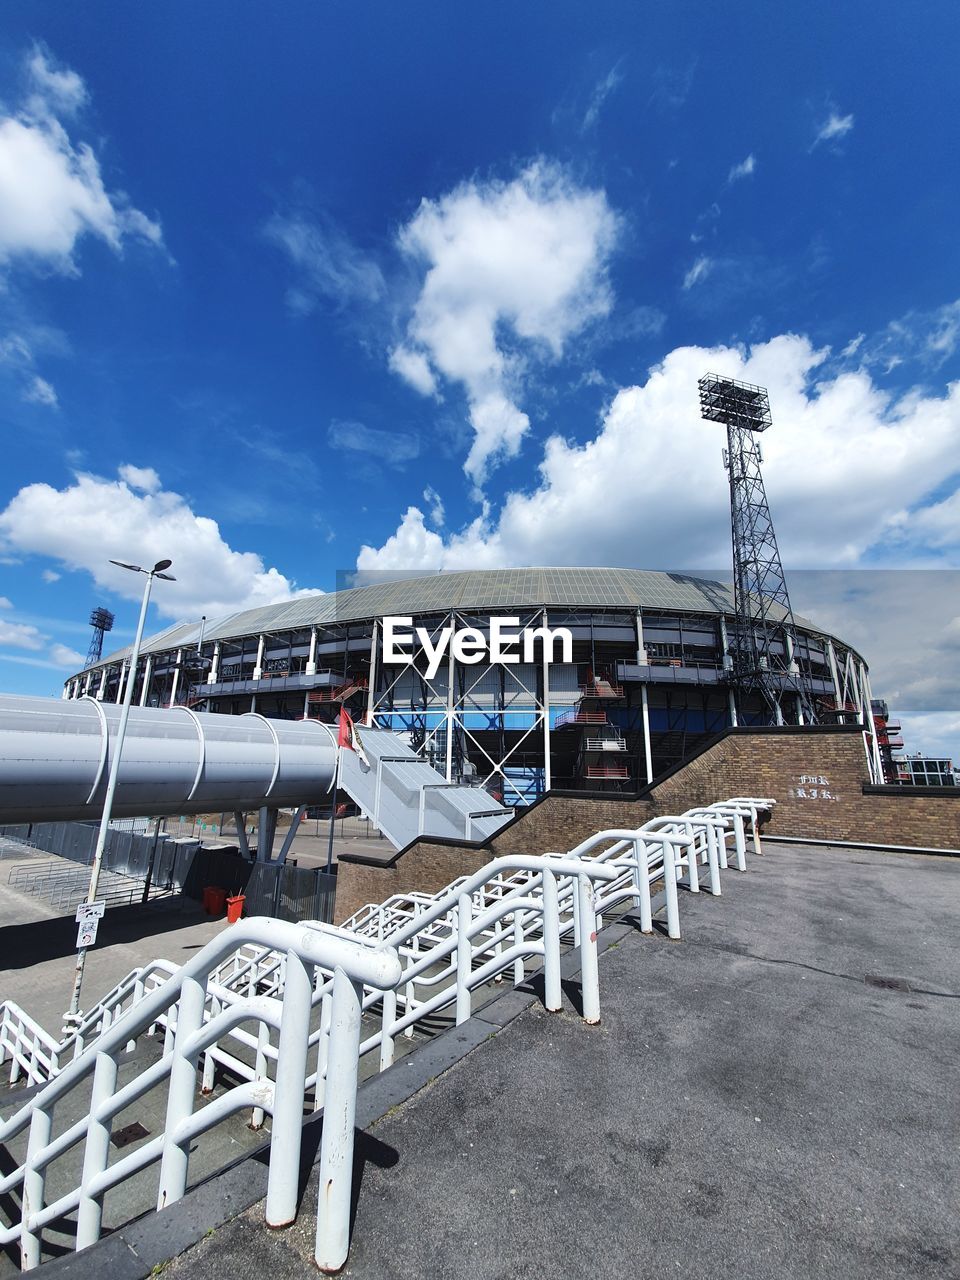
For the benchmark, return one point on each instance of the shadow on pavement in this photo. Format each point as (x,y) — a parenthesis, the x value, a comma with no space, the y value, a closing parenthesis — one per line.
(24,945)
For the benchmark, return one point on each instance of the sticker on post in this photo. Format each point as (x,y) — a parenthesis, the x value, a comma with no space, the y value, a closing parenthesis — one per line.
(90,911)
(87,933)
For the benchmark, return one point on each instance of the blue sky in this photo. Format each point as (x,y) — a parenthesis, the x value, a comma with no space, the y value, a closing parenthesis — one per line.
(414,286)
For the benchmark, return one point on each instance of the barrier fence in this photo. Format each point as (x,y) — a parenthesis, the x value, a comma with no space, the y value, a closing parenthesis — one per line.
(282,890)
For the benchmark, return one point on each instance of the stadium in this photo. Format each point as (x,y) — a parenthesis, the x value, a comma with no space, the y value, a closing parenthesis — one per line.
(647,681)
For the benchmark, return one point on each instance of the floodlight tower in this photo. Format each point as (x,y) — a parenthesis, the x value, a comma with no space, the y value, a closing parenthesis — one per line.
(765,650)
(102,621)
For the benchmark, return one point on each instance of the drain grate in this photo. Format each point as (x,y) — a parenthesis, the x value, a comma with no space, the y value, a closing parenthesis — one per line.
(129,1133)
(887,984)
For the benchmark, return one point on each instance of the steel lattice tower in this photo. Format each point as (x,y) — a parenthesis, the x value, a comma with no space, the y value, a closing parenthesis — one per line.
(765,649)
(102,621)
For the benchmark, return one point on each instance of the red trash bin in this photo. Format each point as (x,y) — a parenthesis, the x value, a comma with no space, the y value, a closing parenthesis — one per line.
(214,899)
(235,908)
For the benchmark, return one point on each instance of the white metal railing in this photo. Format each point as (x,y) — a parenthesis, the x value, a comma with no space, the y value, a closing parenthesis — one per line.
(352,966)
(442,947)
(414,923)
(32,1051)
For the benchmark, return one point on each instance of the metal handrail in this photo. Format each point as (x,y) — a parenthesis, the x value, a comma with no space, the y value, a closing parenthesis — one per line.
(353,965)
(443,947)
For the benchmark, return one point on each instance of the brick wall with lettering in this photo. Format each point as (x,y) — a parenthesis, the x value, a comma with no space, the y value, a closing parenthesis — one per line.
(816,777)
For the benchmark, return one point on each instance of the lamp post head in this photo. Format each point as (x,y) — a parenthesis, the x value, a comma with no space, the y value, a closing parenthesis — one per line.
(155,572)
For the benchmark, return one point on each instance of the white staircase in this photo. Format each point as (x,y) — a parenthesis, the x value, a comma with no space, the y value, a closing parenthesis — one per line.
(406,797)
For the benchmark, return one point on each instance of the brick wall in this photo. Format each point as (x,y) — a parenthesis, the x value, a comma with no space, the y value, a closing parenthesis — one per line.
(778,763)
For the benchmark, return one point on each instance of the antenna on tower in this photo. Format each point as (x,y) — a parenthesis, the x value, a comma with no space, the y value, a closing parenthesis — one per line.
(102,621)
(766,654)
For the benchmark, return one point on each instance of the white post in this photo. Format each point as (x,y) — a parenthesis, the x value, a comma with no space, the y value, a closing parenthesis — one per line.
(641,883)
(589,969)
(214,673)
(286,1126)
(121,683)
(34,1179)
(547,769)
(372,678)
(180,1093)
(176,679)
(732,703)
(258,665)
(96,1154)
(464,957)
(451,676)
(147,674)
(834,675)
(642,658)
(726,658)
(877,758)
(790,654)
(552,991)
(339,1115)
(670,889)
(645,715)
(103,684)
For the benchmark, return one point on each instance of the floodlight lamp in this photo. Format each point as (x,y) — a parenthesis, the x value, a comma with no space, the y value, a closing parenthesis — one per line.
(162,564)
(135,568)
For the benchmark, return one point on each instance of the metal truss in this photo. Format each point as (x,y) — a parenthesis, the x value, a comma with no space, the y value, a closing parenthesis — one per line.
(766,655)
(440,715)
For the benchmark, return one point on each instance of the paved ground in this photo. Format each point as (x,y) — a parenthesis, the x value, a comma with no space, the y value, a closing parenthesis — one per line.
(774,1097)
(38,947)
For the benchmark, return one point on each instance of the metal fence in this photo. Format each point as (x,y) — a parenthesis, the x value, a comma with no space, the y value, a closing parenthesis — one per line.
(182,866)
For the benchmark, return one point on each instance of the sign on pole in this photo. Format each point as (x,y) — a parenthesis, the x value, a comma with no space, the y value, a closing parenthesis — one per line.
(90,911)
(87,933)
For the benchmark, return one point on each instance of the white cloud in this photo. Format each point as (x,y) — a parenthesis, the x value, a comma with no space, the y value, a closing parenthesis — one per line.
(51,189)
(94,520)
(853,346)
(391,447)
(520,263)
(63,656)
(929,337)
(601,91)
(144,479)
(5,603)
(50,576)
(58,87)
(699,271)
(39,391)
(742,170)
(20,636)
(329,265)
(933,733)
(414,367)
(835,126)
(16,354)
(649,489)
(437,513)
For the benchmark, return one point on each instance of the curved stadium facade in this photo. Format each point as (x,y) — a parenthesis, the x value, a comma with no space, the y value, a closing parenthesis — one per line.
(648,681)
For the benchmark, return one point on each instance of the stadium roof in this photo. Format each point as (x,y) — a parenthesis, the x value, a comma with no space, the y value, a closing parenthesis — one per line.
(484,589)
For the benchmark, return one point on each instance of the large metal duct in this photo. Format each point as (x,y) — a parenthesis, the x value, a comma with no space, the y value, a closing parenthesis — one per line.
(55,759)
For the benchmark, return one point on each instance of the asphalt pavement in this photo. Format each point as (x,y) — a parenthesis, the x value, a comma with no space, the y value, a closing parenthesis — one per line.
(774,1096)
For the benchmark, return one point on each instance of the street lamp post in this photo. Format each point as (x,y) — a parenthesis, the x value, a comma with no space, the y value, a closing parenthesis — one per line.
(156,572)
